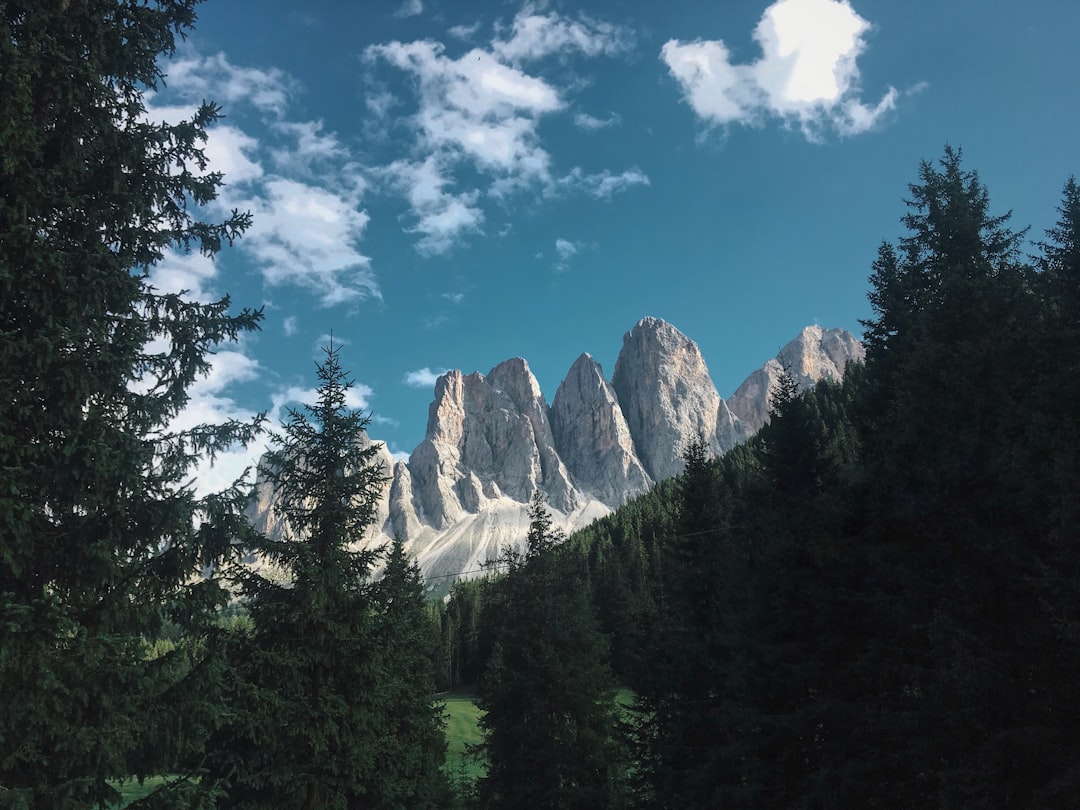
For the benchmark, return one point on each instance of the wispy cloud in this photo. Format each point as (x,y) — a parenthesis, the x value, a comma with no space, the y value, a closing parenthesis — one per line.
(300,182)
(453,298)
(807,74)
(564,250)
(602,185)
(269,90)
(464,32)
(592,123)
(288,326)
(533,36)
(409,8)
(422,377)
(357,398)
(478,116)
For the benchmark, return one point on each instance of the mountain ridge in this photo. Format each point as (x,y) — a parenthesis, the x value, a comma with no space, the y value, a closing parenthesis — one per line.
(492,440)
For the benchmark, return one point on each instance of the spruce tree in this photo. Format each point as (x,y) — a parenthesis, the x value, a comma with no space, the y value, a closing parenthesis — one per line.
(310,706)
(102,536)
(410,762)
(547,693)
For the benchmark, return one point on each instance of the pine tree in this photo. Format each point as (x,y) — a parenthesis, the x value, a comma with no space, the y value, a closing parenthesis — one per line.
(547,693)
(410,764)
(102,536)
(310,705)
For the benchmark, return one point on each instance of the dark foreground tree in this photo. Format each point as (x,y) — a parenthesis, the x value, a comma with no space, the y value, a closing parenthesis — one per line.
(101,536)
(331,708)
(410,763)
(547,693)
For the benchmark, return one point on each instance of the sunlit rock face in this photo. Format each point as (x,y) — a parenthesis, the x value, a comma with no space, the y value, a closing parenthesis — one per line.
(592,436)
(492,440)
(814,355)
(669,398)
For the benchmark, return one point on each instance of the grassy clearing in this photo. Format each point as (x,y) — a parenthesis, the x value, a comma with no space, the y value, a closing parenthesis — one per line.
(462,729)
(131,790)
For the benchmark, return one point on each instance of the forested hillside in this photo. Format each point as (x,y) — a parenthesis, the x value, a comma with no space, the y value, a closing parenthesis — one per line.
(873,602)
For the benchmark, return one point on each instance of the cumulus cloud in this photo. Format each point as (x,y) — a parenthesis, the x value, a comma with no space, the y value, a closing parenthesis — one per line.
(478,115)
(300,183)
(422,377)
(288,326)
(441,217)
(807,73)
(308,235)
(210,403)
(357,398)
(216,77)
(192,273)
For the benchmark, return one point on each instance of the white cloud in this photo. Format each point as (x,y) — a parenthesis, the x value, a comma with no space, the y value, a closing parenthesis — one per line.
(422,377)
(307,215)
(453,298)
(311,145)
(602,185)
(478,115)
(807,73)
(177,272)
(198,77)
(380,102)
(592,123)
(534,36)
(564,250)
(288,326)
(464,32)
(442,218)
(324,341)
(210,403)
(409,8)
(357,398)
(308,235)
(233,153)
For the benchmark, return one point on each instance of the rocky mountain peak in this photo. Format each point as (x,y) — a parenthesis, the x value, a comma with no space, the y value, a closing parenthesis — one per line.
(668,397)
(492,441)
(815,354)
(592,437)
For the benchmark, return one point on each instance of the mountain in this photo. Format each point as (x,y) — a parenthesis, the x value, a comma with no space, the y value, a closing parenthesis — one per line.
(492,440)
(816,353)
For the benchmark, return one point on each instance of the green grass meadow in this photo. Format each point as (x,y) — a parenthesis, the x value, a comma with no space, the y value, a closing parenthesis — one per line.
(462,730)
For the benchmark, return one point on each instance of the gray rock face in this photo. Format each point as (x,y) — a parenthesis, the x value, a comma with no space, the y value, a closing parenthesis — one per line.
(492,441)
(487,437)
(592,437)
(814,355)
(668,397)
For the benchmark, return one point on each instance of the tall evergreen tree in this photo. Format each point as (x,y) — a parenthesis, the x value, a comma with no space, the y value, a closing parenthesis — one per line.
(547,694)
(410,764)
(101,534)
(310,701)
(955,478)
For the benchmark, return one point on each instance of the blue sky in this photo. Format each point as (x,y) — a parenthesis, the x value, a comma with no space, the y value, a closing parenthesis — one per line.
(446,185)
